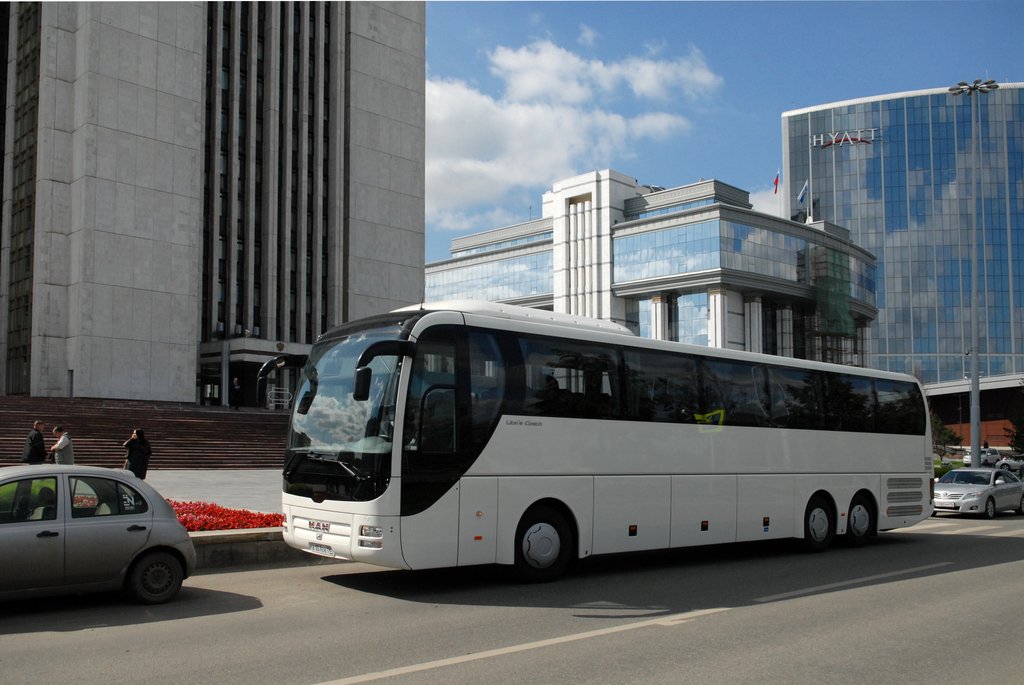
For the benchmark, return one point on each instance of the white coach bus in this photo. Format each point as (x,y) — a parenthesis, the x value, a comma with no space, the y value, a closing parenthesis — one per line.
(469,433)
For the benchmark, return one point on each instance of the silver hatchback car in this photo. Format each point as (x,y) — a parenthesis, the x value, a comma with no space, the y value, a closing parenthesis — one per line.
(979,491)
(70,529)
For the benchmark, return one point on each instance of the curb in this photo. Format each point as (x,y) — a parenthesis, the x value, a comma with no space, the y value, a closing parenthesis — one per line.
(218,550)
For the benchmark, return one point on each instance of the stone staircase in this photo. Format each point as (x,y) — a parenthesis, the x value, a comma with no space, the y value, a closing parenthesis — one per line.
(183,436)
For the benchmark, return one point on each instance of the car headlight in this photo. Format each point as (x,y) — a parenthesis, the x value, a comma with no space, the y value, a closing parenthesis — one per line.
(976,495)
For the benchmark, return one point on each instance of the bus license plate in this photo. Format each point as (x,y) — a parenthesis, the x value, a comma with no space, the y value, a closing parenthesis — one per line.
(322,550)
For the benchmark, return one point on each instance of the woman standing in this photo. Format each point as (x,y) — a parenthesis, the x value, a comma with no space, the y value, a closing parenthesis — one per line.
(137,453)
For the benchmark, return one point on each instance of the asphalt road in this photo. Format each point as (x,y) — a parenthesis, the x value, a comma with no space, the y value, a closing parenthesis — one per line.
(937,603)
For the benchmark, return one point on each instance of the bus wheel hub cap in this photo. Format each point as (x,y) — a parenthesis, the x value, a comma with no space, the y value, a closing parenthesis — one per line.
(541,545)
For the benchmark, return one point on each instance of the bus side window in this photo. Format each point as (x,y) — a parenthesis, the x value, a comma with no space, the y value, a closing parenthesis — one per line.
(734,388)
(795,401)
(437,430)
(487,385)
(569,378)
(899,408)
(425,413)
(660,387)
(851,402)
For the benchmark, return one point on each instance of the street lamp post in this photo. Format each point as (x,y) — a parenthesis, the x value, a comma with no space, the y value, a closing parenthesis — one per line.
(969,89)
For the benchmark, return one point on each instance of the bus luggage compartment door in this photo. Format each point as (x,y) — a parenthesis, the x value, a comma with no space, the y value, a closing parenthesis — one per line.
(478,521)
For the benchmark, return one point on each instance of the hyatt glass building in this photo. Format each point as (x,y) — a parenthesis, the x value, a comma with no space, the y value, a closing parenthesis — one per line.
(897,172)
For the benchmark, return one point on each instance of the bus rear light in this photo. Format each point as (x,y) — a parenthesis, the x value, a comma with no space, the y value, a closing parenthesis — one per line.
(371,532)
(371,544)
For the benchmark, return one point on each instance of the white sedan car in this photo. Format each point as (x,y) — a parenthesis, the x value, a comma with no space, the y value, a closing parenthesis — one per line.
(69,529)
(979,491)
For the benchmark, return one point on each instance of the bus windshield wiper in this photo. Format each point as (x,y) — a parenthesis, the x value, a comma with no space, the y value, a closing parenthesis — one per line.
(348,468)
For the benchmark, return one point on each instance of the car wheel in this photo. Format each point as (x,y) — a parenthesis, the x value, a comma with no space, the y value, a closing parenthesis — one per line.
(1020,505)
(544,545)
(860,524)
(819,527)
(990,508)
(1004,467)
(155,578)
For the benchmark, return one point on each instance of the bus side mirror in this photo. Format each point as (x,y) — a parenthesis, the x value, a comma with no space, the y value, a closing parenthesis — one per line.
(361,383)
(361,388)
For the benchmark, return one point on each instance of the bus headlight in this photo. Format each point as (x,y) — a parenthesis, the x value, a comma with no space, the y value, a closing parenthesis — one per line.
(371,537)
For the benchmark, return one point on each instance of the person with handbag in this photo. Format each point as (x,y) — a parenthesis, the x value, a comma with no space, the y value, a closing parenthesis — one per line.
(137,453)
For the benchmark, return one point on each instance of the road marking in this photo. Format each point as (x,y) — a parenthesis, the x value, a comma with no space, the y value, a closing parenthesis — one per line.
(670,620)
(965,531)
(918,527)
(853,581)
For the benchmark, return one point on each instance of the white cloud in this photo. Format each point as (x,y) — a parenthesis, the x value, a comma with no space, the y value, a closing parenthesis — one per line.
(558,114)
(543,70)
(767,202)
(588,36)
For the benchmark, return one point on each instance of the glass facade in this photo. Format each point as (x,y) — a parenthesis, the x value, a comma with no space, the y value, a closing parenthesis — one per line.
(691,318)
(505,244)
(501,280)
(708,271)
(660,211)
(898,172)
(720,243)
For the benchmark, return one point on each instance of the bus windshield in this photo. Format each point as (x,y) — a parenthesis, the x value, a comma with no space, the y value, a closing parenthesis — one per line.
(340,448)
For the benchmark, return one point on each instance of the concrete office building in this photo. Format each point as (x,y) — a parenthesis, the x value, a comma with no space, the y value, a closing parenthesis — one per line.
(190,188)
(694,264)
(897,171)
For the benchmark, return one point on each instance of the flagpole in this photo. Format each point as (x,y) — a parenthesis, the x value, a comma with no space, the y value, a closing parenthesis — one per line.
(810,184)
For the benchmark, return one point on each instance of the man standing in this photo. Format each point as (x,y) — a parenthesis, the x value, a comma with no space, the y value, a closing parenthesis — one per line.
(63,452)
(236,393)
(35,451)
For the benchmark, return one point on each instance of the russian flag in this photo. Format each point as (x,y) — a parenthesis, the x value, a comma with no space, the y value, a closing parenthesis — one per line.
(803,193)
(777,182)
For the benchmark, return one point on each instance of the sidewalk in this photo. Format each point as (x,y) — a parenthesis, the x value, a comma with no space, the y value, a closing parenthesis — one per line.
(252,489)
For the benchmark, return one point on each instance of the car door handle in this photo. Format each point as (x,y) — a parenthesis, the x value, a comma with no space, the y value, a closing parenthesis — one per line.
(48,534)
(136,527)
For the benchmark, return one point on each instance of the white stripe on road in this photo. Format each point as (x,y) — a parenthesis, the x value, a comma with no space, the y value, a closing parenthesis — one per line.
(847,583)
(670,620)
(965,531)
(918,527)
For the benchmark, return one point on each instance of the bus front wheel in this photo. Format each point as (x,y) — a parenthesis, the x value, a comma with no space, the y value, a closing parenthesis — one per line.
(819,526)
(544,544)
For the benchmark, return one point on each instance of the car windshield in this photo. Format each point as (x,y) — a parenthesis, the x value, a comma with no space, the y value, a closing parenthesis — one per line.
(967,478)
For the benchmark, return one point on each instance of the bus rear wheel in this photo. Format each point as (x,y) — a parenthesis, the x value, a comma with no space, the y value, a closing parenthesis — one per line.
(819,525)
(544,545)
(860,522)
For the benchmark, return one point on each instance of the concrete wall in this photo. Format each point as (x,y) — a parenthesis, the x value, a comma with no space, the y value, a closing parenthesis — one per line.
(119,200)
(387,82)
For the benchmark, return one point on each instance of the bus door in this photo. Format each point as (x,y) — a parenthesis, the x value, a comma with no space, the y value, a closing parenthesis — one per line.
(456,395)
(429,500)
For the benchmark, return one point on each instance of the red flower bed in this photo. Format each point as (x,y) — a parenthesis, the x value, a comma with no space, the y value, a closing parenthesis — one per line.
(205,516)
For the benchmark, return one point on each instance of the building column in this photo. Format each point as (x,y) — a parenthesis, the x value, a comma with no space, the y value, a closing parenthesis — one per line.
(784,331)
(659,317)
(753,320)
(718,314)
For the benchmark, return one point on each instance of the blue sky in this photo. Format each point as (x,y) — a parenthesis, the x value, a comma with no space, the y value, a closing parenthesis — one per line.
(521,94)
